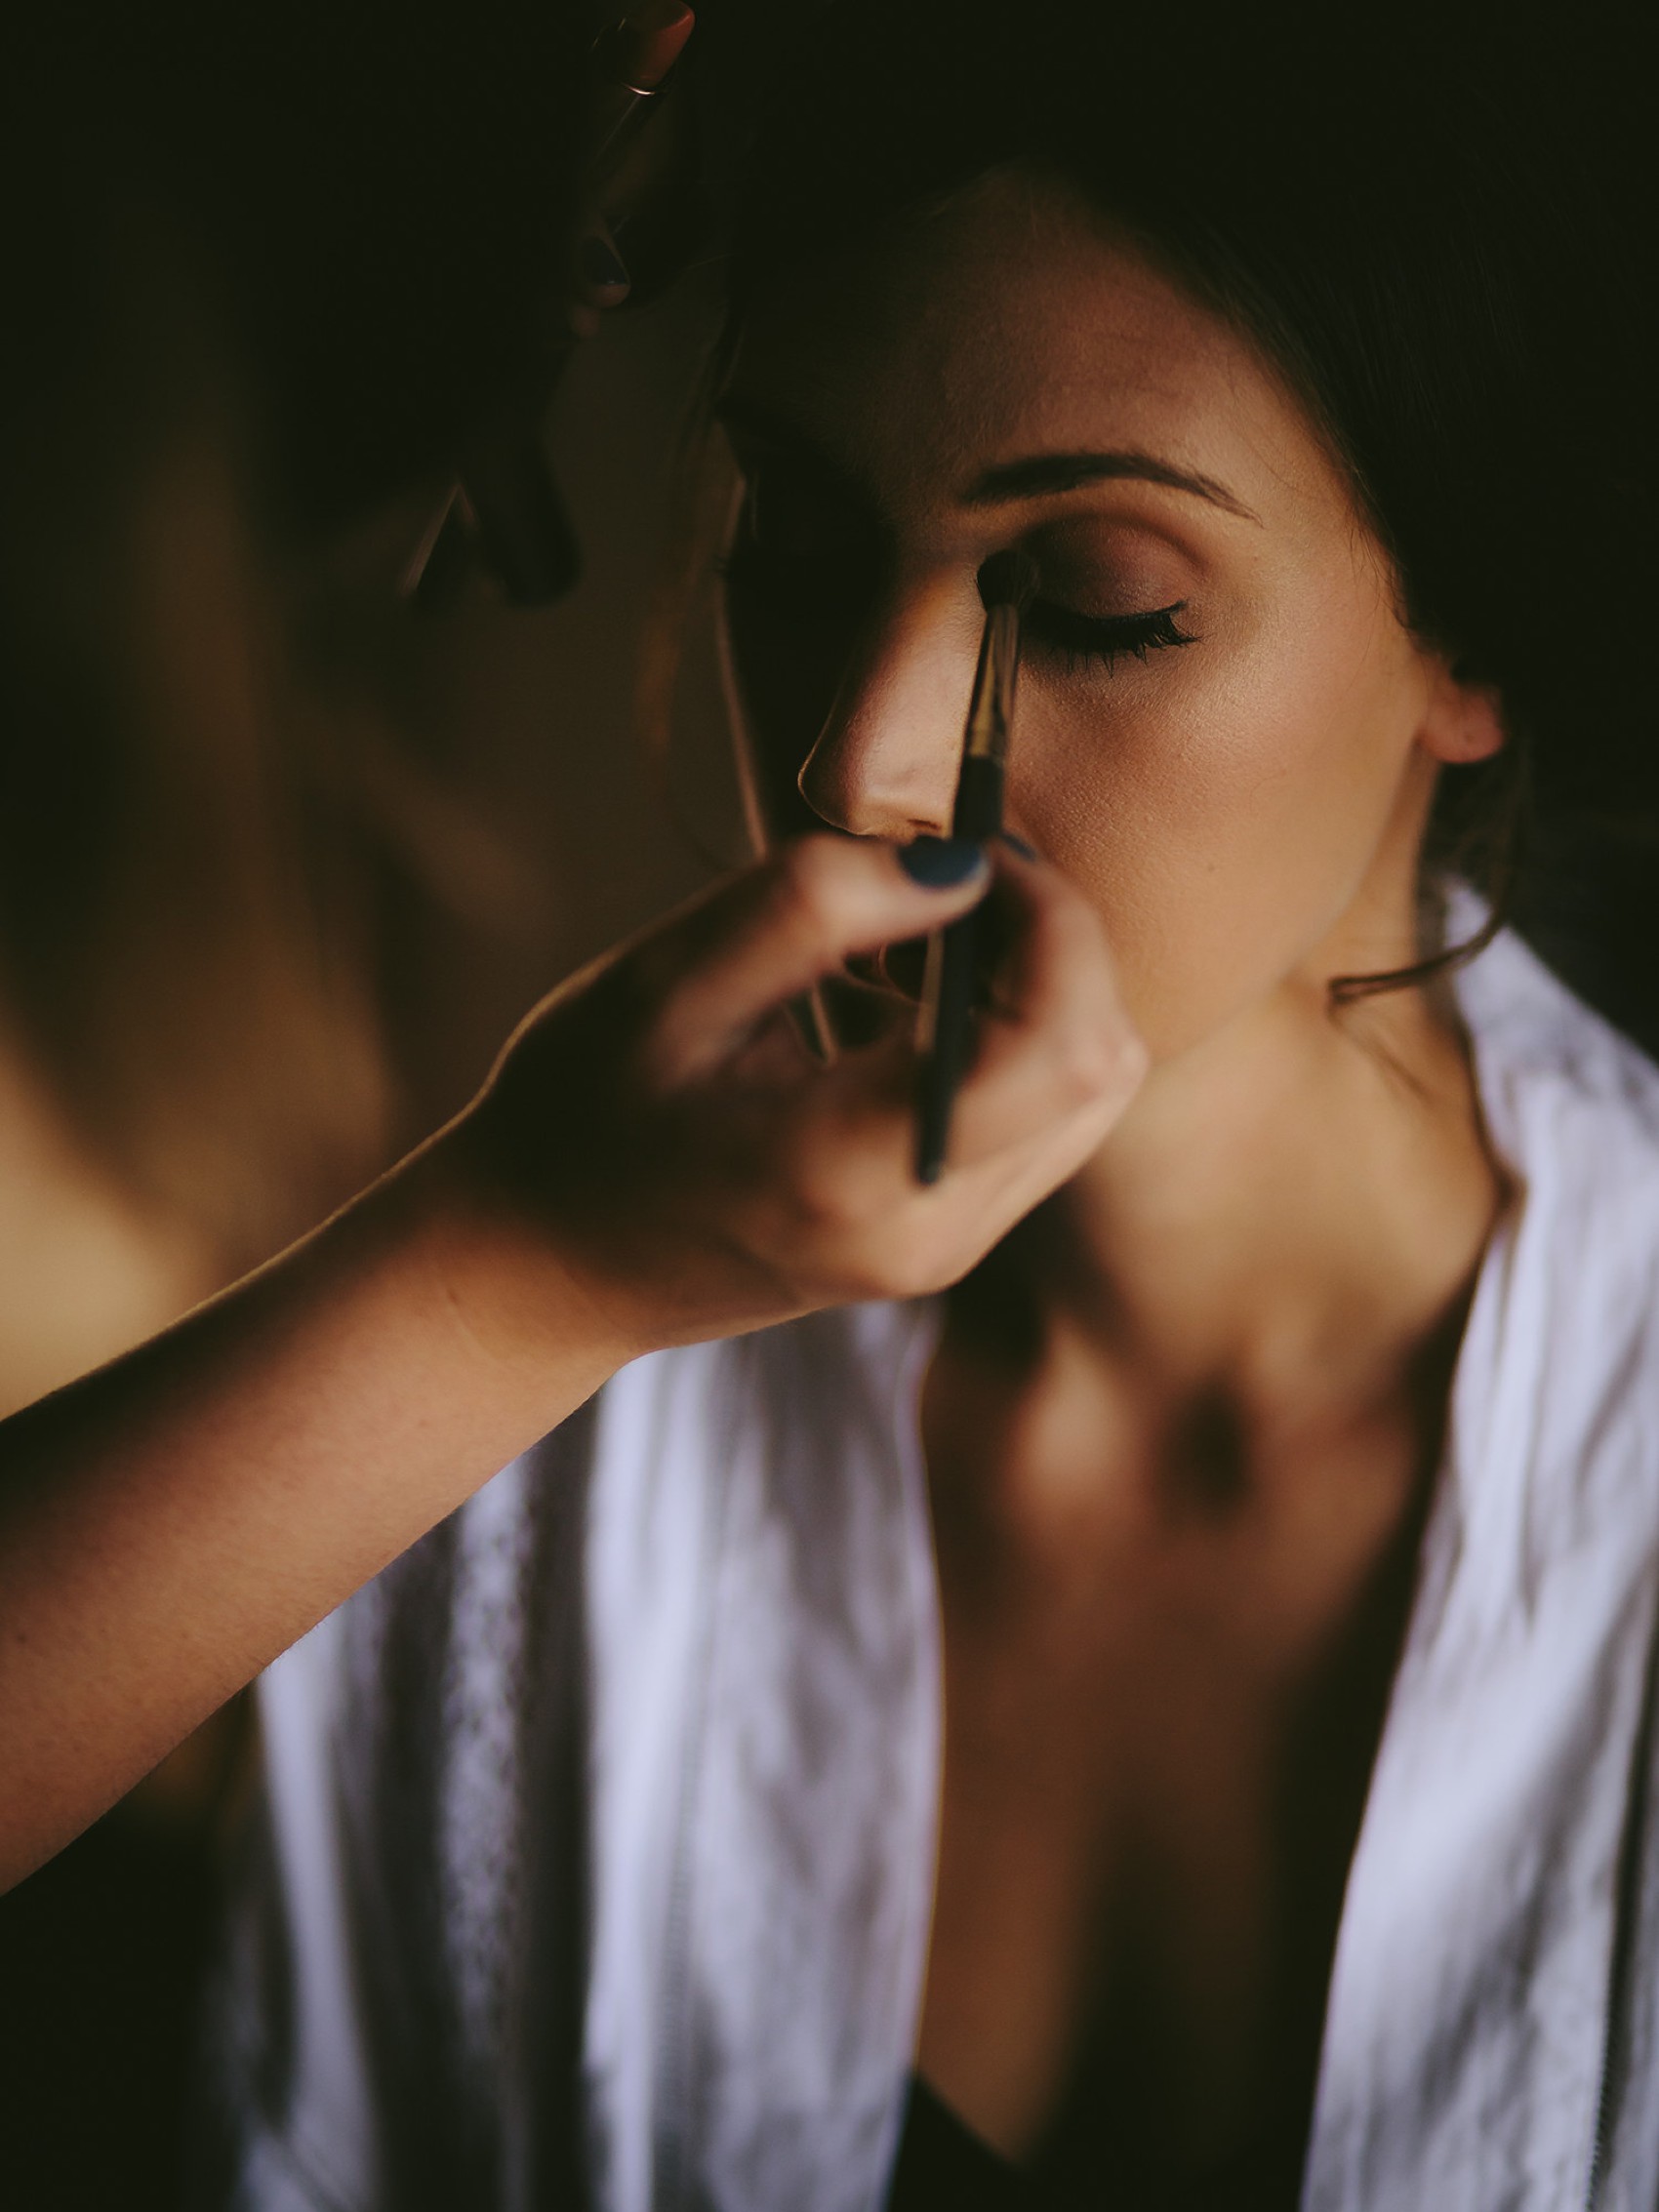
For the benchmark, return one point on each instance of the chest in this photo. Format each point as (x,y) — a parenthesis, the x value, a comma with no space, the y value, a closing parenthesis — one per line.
(769,1727)
(1161,1705)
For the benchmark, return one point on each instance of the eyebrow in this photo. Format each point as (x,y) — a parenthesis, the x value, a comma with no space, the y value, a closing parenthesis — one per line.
(1035,477)
(1041,475)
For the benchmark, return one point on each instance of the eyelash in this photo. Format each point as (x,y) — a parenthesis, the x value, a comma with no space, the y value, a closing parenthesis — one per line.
(1082,641)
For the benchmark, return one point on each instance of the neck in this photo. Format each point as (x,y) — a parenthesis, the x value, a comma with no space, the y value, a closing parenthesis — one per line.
(1287,1211)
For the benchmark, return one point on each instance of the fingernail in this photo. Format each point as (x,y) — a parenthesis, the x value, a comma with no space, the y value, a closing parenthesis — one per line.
(1019,845)
(940,864)
(602,264)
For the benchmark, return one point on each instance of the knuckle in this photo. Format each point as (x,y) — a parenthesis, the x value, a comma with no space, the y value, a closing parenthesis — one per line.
(898,1268)
(865,1282)
(1091,1062)
(1134,1062)
(866,1242)
(1078,938)
(915,1269)
(821,1205)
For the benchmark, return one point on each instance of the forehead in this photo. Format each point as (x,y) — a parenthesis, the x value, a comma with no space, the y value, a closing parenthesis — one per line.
(1014,321)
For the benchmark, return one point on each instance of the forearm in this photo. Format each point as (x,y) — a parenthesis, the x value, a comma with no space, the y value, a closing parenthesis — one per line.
(656,1160)
(171,1523)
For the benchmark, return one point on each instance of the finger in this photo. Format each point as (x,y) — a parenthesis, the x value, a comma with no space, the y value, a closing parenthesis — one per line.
(1056,1041)
(852,1147)
(1057,1063)
(775,931)
(1010,1181)
(856,1124)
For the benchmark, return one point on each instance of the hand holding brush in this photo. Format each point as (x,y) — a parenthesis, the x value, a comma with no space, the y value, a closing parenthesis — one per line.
(945,1034)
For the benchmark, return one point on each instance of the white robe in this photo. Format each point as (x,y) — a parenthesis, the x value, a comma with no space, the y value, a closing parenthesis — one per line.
(601,1828)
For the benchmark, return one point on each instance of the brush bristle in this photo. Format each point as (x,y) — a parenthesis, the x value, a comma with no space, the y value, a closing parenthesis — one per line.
(1006,580)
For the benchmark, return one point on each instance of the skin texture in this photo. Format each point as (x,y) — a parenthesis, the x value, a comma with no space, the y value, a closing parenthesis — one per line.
(1181,1426)
(657,1159)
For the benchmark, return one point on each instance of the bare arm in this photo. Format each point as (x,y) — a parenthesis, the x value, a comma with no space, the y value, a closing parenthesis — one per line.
(172,1522)
(656,1160)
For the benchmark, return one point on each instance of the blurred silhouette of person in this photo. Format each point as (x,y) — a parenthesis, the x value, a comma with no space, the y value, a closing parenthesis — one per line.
(219,350)
(277,275)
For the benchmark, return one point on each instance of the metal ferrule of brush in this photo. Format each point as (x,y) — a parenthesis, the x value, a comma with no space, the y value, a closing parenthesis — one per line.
(978,809)
(990,716)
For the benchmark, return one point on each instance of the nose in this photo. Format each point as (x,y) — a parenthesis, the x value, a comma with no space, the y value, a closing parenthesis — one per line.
(886,760)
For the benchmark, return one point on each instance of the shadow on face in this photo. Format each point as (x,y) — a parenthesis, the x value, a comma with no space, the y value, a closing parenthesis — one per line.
(1225,733)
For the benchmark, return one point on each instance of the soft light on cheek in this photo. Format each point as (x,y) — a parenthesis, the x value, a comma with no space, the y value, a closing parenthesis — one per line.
(1105,773)
(1222,813)
(1185,723)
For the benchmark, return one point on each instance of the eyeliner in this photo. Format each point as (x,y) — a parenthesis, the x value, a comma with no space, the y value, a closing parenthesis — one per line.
(944,1028)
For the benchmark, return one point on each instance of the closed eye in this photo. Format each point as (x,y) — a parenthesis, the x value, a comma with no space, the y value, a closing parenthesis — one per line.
(1102,639)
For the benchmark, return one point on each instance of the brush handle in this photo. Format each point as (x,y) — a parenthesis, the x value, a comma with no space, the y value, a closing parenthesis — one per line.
(979,799)
(947,998)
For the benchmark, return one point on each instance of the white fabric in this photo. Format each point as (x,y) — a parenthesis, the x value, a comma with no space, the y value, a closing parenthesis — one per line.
(1467,2024)
(326,2155)
(762,1727)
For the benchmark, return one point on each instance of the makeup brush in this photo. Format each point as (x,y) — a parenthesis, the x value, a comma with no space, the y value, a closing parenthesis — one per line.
(945,1029)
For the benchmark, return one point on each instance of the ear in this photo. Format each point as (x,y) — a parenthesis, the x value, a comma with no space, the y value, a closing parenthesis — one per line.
(1464,721)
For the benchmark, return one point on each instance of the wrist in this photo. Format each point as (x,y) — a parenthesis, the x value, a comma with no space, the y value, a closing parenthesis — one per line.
(523,1310)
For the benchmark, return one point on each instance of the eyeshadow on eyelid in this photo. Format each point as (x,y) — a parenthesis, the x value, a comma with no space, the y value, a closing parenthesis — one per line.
(1107,592)
(1133,562)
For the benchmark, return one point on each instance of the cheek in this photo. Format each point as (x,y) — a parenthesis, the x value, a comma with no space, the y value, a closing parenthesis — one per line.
(1224,804)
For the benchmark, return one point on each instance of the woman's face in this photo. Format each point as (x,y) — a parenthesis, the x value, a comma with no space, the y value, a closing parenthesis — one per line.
(1224,732)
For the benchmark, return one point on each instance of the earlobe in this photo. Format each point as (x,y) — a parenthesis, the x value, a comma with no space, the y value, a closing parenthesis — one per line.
(1464,721)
